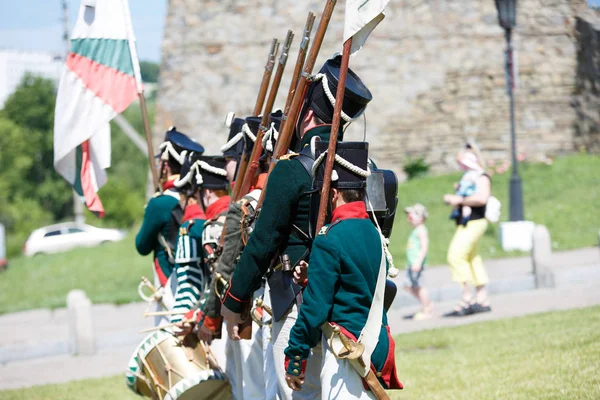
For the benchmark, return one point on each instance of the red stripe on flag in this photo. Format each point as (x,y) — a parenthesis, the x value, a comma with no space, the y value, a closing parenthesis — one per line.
(92,201)
(115,88)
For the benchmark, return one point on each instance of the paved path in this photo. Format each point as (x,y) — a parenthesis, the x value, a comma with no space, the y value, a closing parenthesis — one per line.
(34,344)
(503,306)
(112,361)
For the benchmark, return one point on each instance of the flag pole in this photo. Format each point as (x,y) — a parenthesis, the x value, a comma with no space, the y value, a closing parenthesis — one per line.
(140,89)
(335,127)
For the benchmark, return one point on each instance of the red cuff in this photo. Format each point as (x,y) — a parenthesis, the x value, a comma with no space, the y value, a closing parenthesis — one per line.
(304,283)
(231,302)
(214,324)
(296,368)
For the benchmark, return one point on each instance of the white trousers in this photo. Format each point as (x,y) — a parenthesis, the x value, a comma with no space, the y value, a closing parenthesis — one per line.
(270,376)
(245,367)
(168,299)
(339,379)
(281,335)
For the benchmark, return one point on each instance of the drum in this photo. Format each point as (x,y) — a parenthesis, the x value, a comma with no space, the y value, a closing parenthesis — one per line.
(166,367)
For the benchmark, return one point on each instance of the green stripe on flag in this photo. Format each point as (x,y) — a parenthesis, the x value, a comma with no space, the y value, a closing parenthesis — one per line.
(78,160)
(113,53)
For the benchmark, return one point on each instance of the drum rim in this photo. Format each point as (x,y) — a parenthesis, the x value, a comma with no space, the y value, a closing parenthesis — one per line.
(187,383)
(153,342)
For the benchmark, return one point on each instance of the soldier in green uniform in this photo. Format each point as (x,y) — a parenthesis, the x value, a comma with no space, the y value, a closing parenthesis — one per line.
(249,365)
(345,285)
(158,232)
(281,232)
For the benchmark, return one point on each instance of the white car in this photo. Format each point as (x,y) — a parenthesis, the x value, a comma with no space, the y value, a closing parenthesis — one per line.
(66,236)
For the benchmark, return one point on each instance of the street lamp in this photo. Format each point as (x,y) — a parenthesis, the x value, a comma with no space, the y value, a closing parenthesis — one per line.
(507,10)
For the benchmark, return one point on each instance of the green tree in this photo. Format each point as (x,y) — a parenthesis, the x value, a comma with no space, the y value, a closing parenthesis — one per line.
(149,71)
(31,109)
(32,193)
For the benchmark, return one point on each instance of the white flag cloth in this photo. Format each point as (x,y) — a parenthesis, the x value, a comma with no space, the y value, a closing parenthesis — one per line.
(100,79)
(362,16)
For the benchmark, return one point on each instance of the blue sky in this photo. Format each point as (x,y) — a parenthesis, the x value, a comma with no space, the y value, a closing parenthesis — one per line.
(37,25)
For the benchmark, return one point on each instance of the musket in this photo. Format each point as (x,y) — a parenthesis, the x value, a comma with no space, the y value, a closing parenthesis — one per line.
(285,136)
(335,125)
(257,150)
(370,378)
(264,85)
(245,328)
(310,20)
(296,93)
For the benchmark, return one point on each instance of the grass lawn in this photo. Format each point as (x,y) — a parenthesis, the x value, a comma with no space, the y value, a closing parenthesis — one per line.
(108,273)
(546,356)
(565,197)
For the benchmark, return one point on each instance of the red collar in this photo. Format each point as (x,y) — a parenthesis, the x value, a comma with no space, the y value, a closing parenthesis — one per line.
(217,207)
(356,209)
(193,211)
(170,184)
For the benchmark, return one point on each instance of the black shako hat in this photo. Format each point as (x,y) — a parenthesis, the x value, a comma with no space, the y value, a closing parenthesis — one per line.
(350,173)
(253,124)
(212,169)
(236,149)
(356,94)
(177,146)
(202,171)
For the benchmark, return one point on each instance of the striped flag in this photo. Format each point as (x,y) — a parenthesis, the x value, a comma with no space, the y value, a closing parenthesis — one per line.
(100,79)
(362,16)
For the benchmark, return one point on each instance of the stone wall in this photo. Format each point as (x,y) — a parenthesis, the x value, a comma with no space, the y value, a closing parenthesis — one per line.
(587,91)
(435,68)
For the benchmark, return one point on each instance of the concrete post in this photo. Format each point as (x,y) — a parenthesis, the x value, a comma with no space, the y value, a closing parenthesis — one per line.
(81,330)
(541,258)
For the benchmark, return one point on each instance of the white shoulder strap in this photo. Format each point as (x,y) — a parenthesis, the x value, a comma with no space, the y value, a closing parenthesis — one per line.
(253,197)
(369,336)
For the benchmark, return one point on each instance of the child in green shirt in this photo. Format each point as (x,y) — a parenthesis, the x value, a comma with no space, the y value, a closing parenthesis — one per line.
(416,255)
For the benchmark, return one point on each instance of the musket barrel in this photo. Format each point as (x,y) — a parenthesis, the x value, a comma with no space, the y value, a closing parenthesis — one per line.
(264,85)
(262,93)
(285,136)
(297,70)
(258,149)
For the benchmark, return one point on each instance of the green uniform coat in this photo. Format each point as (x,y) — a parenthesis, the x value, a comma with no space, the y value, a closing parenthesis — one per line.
(285,205)
(342,274)
(157,220)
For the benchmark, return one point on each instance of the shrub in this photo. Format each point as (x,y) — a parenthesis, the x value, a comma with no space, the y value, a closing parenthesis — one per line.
(416,168)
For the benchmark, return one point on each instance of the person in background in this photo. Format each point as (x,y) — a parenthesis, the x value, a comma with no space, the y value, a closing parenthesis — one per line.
(465,262)
(416,256)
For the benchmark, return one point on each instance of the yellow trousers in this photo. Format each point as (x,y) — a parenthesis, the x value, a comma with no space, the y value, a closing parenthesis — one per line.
(465,264)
